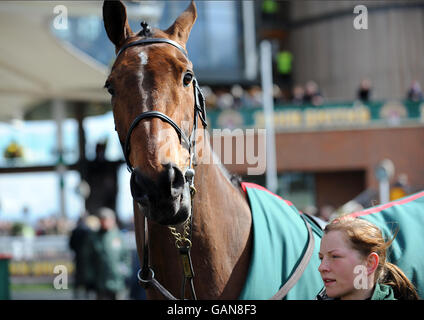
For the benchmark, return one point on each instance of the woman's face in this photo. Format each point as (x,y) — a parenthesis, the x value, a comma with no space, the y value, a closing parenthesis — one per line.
(338,262)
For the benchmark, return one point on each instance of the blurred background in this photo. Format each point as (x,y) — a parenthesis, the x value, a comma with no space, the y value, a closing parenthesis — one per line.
(348,115)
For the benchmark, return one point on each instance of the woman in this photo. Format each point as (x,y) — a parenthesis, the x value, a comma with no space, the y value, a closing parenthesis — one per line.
(354,267)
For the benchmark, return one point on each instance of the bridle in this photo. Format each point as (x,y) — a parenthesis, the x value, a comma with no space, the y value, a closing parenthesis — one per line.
(199,107)
(183,241)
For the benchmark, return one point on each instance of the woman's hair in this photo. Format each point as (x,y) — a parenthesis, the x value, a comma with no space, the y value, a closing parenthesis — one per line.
(366,238)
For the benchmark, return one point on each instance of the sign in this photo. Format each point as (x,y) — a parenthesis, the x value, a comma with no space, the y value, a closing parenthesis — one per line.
(342,115)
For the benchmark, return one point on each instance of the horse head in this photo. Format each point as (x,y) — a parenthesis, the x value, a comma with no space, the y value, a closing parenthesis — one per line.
(153,91)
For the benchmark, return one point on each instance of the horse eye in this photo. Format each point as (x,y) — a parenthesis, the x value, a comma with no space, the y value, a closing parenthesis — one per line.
(187,79)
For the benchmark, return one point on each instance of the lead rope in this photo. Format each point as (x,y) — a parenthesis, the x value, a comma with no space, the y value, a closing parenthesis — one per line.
(143,273)
(183,241)
(183,244)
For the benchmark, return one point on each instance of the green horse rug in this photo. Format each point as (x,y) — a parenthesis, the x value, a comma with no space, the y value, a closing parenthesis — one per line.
(407,250)
(280,239)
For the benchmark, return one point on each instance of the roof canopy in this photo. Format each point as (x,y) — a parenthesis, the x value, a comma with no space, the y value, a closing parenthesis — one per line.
(35,65)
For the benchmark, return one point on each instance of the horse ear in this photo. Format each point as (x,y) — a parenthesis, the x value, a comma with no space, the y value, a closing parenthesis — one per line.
(116,22)
(181,28)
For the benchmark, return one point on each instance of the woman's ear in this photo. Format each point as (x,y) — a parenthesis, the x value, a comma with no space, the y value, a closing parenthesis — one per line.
(372,262)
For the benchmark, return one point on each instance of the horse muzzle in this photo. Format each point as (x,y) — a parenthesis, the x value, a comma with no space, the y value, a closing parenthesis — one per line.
(165,200)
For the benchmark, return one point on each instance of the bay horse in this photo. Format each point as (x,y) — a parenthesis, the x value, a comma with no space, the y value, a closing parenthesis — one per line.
(153,90)
(194,223)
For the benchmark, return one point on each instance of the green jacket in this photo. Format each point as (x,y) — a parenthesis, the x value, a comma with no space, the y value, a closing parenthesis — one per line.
(383,292)
(111,260)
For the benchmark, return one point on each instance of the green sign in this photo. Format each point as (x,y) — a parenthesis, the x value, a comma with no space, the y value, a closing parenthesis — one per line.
(341,115)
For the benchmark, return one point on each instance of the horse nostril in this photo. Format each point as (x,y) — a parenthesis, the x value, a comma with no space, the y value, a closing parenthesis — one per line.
(138,189)
(176,180)
(146,191)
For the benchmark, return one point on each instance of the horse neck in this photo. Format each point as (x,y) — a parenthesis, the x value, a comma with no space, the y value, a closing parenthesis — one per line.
(221,230)
(218,204)
(221,237)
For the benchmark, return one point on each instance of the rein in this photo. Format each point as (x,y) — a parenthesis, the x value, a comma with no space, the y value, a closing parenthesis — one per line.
(146,275)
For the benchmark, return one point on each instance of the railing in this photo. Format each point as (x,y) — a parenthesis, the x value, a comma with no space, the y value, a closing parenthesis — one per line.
(37,256)
(45,247)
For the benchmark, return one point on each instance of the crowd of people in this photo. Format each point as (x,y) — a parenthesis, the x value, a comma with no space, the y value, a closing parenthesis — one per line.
(248,97)
(44,226)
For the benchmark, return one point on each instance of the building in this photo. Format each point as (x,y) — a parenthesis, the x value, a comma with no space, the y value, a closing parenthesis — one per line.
(329,152)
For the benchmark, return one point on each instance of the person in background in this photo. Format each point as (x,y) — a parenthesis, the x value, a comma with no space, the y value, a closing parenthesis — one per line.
(354,266)
(210,97)
(269,9)
(252,97)
(110,257)
(79,241)
(298,95)
(237,92)
(325,212)
(76,244)
(312,94)
(364,91)
(224,100)
(92,223)
(414,92)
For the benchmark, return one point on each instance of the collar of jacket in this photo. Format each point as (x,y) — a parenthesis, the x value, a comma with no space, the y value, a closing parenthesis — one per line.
(383,292)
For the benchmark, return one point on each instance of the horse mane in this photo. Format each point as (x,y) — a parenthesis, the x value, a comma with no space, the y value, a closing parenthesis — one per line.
(234,179)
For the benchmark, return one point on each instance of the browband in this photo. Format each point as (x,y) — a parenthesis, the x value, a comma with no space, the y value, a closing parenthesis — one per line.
(153,40)
(199,104)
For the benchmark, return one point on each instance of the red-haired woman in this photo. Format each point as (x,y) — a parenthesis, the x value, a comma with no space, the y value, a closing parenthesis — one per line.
(354,267)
